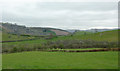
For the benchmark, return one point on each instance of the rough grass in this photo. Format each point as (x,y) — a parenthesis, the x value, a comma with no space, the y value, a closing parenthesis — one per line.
(110,36)
(0,62)
(83,33)
(60,60)
(39,41)
(11,37)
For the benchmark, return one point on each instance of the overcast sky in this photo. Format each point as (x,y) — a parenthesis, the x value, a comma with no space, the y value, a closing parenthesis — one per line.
(64,15)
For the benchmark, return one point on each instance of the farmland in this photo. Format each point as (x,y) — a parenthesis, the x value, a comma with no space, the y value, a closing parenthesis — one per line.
(60,60)
(109,36)
(12,37)
(29,54)
(67,42)
(69,35)
(0,61)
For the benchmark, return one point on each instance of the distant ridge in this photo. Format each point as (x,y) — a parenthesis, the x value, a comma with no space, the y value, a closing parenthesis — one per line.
(36,31)
(91,30)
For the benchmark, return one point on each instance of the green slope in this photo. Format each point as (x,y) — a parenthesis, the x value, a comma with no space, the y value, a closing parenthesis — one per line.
(102,36)
(110,36)
(62,60)
(11,37)
(83,33)
(67,42)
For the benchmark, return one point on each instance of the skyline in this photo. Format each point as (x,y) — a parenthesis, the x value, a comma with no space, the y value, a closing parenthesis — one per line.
(65,29)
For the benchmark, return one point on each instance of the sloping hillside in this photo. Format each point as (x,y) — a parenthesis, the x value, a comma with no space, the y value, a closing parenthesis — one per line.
(23,30)
(100,36)
(5,35)
(82,33)
(59,32)
(110,36)
(12,37)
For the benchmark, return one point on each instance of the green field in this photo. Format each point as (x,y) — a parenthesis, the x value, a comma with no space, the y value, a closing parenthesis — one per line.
(11,37)
(0,61)
(60,60)
(82,33)
(110,36)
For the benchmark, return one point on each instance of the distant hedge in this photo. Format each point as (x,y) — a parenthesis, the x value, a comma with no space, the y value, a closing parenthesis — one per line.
(60,44)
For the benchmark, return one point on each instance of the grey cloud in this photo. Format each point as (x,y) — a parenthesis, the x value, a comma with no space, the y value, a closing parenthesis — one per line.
(63,14)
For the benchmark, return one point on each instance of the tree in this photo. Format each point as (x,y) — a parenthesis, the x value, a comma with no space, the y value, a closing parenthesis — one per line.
(51,35)
(96,30)
(45,30)
(84,33)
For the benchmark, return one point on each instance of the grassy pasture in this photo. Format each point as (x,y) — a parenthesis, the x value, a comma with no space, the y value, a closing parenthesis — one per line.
(110,36)
(82,33)
(0,62)
(60,60)
(73,42)
(11,37)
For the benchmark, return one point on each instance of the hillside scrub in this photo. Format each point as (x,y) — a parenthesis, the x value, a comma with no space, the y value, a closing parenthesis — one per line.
(60,44)
(109,39)
(64,44)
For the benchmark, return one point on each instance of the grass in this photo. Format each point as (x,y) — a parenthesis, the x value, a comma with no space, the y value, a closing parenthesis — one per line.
(11,37)
(59,41)
(37,41)
(60,60)
(110,36)
(0,62)
(83,33)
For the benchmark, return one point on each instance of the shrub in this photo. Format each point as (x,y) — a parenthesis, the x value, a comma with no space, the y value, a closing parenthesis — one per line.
(61,46)
(13,50)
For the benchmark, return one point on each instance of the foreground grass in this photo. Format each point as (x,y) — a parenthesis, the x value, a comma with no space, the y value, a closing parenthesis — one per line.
(0,62)
(61,60)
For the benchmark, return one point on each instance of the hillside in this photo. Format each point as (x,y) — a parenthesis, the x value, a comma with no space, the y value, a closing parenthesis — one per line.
(23,30)
(82,33)
(107,39)
(101,36)
(110,36)
(12,37)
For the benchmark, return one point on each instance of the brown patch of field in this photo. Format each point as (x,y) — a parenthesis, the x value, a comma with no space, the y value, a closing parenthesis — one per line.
(59,32)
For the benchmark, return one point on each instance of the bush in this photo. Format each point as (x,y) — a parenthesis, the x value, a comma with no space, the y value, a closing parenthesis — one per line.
(61,44)
(14,50)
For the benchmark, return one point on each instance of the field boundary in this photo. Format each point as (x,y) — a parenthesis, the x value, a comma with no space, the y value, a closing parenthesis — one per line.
(93,50)
(18,40)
